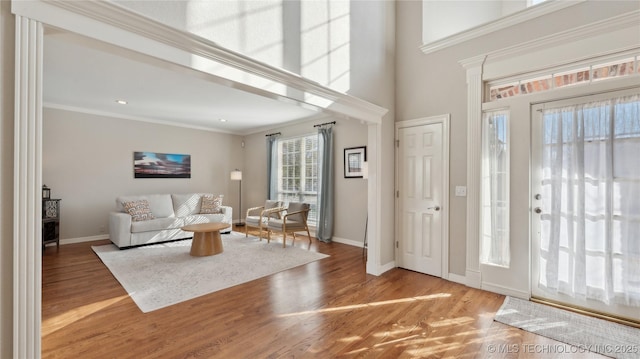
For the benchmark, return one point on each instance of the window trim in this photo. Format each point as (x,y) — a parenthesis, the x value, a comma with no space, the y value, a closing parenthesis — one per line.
(311,221)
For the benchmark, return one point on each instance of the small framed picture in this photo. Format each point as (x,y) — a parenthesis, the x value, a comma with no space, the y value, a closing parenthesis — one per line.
(354,158)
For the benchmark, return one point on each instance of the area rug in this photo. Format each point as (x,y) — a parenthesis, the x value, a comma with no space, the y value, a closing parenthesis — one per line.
(584,332)
(160,275)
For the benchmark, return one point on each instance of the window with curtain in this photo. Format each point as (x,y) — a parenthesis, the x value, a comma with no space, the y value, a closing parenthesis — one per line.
(298,176)
(494,240)
(590,222)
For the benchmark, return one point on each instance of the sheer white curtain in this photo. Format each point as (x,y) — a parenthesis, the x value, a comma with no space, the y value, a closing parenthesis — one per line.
(590,222)
(494,242)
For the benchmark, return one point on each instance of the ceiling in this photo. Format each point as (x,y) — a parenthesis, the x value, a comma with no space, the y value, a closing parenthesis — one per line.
(90,76)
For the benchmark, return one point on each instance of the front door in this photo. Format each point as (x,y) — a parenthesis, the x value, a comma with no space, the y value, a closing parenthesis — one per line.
(420,194)
(585,212)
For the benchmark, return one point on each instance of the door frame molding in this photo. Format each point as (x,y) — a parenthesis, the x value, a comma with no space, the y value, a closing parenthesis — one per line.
(444,120)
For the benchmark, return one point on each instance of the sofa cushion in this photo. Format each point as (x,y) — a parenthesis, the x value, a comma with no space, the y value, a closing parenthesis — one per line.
(160,204)
(186,204)
(138,210)
(211,204)
(157,224)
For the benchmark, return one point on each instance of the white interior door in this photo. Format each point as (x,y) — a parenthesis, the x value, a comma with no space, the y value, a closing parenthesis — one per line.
(420,195)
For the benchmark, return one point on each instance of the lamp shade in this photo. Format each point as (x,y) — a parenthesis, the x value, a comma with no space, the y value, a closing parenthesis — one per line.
(236,175)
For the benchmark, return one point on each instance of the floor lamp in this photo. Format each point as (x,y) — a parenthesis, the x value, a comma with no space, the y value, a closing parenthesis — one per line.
(236,175)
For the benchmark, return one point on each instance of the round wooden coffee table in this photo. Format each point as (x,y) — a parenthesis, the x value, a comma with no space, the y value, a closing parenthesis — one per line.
(206,238)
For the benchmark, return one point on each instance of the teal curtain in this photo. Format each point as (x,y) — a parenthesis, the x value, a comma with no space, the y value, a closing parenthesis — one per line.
(272,167)
(324,229)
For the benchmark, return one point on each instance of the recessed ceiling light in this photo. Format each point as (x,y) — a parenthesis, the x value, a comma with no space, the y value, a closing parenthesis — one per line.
(122,102)
(223,120)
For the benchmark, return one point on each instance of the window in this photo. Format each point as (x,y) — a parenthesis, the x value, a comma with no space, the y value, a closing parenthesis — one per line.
(534,2)
(598,71)
(494,240)
(298,176)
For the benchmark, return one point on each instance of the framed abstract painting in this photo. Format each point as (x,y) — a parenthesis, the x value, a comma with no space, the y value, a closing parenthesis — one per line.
(161,165)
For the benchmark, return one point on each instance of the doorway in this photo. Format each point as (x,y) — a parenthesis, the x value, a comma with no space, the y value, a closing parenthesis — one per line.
(422,198)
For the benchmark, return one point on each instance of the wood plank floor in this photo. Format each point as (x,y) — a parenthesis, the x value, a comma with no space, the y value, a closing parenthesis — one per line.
(326,309)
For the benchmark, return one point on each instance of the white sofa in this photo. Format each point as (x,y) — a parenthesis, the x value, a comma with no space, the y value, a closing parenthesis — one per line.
(171,211)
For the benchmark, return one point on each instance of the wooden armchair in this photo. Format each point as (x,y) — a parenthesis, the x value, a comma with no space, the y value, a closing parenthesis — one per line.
(294,220)
(257,217)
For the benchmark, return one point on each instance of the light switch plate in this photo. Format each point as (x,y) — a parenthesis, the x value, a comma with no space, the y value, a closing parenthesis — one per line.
(461,191)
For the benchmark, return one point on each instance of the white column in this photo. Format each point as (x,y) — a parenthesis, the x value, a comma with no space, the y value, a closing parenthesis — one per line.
(474,117)
(27,203)
(374,193)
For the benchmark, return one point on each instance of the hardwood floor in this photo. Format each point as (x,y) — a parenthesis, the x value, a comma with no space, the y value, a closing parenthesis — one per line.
(326,309)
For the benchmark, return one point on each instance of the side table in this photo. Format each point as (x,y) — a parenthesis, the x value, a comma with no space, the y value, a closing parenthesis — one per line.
(50,222)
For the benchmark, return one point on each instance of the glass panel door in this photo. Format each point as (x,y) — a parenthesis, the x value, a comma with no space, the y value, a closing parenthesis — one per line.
(585,207)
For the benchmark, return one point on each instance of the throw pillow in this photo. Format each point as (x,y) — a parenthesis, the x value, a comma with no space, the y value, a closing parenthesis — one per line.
(139,210)
(211,204)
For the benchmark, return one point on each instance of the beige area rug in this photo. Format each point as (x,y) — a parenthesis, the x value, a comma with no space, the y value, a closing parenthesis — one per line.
(585,333)
(161,275)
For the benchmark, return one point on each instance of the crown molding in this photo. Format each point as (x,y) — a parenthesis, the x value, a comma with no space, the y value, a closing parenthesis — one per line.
(89,111)
(622,21)
(502,23)
(118,17)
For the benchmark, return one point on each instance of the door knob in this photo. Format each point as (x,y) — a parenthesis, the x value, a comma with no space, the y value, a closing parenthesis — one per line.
(435,208)
(537,210)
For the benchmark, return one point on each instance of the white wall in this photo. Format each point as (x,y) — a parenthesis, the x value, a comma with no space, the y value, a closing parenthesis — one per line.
(445,18)
(350,193)
(88,162)
(7,25)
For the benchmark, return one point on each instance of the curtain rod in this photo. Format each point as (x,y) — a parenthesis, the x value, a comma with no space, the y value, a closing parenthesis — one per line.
(326,123)
(272,134)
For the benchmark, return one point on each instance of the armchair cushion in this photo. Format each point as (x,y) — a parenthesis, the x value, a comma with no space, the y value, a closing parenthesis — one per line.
(278,224)
(270,204)
(297,212)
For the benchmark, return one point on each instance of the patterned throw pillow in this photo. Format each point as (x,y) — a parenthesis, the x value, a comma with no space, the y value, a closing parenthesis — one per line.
(211,204)
(139,210)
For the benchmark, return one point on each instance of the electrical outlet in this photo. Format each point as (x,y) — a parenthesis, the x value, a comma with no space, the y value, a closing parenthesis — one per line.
(461,191)
(102,229)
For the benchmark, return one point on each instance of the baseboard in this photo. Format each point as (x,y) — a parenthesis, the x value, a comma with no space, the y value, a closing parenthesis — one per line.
(350,242)
(377,270)
(473,279)
(497,288)
(387,267)
(83,239)
(457,278)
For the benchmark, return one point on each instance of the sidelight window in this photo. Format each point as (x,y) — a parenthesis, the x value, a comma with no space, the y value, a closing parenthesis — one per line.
(494,248)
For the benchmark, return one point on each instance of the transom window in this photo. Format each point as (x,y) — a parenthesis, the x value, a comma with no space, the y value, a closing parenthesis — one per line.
(597,71)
